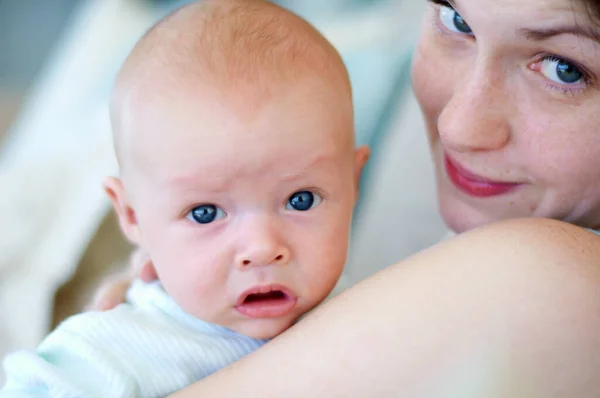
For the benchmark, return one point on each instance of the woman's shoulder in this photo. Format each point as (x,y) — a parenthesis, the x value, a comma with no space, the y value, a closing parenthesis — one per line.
(542,230)
(596,231)
(544,245)
(551,234)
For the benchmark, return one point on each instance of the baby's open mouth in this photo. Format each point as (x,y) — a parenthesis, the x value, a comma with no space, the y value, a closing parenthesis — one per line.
(266,301)
(270,296)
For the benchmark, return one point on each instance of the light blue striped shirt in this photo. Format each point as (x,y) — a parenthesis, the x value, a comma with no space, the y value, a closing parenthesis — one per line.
(147,348)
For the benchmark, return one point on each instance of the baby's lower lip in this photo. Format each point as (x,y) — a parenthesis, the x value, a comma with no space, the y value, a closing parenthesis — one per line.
(272,308)
(267,301)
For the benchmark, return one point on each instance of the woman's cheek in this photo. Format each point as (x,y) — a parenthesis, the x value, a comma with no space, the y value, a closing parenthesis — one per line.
(430,85)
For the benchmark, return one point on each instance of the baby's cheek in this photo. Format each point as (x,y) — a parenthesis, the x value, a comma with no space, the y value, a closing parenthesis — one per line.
(174,263)
(328,263)
(200,294)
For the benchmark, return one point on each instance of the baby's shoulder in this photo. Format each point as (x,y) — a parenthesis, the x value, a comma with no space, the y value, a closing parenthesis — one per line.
(91,321)
(145,308)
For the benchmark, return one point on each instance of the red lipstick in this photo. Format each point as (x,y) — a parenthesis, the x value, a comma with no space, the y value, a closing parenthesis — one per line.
(473,184)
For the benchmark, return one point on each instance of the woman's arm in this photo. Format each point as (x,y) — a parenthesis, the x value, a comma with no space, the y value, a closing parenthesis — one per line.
(508,310)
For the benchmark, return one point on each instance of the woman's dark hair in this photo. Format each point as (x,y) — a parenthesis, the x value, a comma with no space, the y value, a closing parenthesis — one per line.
(593,9)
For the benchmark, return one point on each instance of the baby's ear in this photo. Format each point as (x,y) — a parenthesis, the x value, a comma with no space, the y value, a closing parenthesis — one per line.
(361,155)
(127,220)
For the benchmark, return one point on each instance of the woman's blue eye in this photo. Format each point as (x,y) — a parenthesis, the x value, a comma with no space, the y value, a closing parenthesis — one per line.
(206,214)
(303,201)
(453,21)
(560,71)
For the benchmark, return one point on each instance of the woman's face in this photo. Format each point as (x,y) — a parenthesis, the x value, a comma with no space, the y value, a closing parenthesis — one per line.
(510,92)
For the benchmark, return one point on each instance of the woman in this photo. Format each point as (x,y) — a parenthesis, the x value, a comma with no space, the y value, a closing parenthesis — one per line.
(510,92)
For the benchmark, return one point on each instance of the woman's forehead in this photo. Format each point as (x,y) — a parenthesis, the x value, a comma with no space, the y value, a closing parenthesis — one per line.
(532,11)
(533,20)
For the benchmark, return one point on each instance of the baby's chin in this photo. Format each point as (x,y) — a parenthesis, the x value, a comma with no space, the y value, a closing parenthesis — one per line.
(266,328)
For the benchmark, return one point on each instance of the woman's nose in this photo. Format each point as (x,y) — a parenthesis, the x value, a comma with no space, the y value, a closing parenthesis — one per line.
(477,116)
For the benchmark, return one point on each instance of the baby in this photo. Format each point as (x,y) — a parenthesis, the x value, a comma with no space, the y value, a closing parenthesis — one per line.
(233,128)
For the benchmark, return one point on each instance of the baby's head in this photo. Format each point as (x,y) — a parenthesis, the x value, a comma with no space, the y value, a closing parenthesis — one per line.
(233,128)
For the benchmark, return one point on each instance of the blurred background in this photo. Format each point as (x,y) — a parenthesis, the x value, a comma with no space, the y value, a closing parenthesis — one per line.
(23,50)
(58,58)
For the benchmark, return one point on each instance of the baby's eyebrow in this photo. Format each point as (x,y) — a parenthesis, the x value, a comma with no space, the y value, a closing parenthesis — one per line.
(324,163)
(547,33)
(195,182)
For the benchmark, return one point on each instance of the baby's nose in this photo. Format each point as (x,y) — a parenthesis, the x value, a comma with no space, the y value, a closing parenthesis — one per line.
(261,256)
(261,242)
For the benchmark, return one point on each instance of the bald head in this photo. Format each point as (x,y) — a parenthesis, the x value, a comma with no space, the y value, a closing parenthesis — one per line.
(232,39)
(233,46)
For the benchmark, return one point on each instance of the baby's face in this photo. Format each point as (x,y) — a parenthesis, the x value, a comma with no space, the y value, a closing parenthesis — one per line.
(244,206)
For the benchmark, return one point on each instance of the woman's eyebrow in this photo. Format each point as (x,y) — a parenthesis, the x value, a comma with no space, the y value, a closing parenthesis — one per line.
(545,34)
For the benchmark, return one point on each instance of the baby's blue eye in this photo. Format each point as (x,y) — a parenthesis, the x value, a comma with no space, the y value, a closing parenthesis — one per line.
(206,214)
(303,201)
(453,21)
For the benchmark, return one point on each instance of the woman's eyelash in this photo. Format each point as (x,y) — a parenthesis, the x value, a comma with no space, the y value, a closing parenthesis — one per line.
(565,89)
(441,3)
(586,76)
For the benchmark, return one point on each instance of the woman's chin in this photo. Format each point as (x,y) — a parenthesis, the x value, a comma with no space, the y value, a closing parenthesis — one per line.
(460,216)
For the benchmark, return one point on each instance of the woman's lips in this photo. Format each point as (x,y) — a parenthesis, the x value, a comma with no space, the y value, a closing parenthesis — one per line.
(473,184)
(267,301)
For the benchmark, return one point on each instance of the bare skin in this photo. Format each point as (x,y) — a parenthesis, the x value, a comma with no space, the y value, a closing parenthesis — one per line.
(232,108)
(240,66)
(515,314)
(510,309)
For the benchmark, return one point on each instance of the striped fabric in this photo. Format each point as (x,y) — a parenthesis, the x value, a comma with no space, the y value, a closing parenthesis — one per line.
(146,348)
